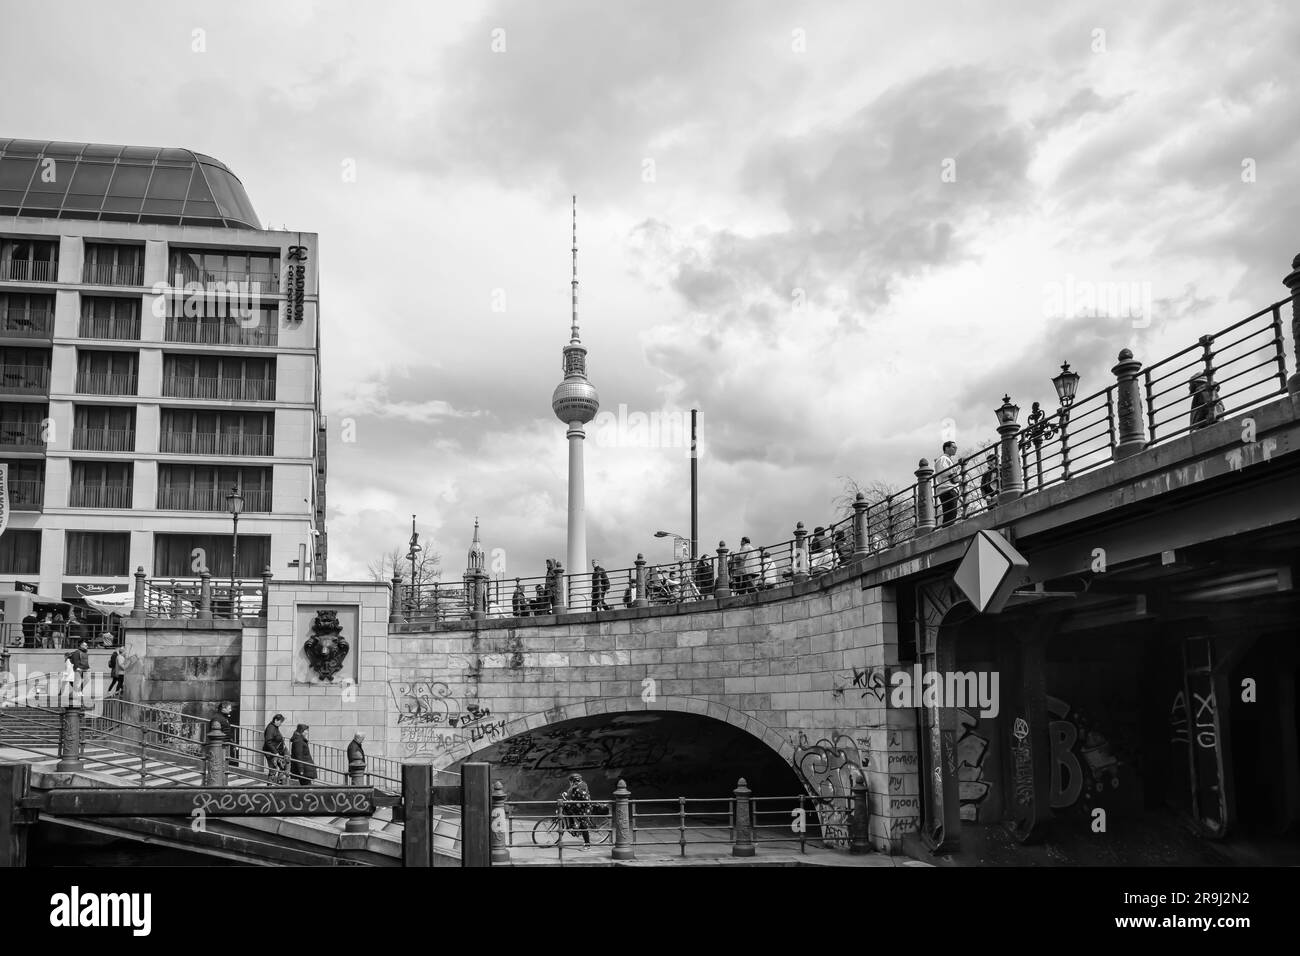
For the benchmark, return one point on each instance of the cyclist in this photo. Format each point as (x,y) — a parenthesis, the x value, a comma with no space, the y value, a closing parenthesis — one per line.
(575,804)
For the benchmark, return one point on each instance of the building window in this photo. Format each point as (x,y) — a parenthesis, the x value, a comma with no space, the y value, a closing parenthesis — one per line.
(204,487)
(255,271)
(106,373)
(107,317)
(20,551)
(22,425)
(113,265)
(219,377)
(106,553)
(26,316)
(101,484)
(211,432)
(219,320)
(174,555)
(29,260)
(26,485)
(103,428)
(25,371)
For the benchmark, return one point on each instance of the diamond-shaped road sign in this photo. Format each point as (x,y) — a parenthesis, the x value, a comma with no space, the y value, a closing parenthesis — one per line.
(989,571)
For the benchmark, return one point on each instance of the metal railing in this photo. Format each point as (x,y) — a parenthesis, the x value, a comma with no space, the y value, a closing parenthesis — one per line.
(215,443)
(22,434)
(38,635)
(180,275)
(110,273)
(113,494)
(182,598)
(30,270)
(219,332)
(106,383)
(250,390)
(211,498)
(103,439)
(26,323)
(120,327)
(27,494)
(24,378)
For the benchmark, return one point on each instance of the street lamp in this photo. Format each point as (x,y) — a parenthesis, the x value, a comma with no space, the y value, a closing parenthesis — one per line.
(1042,427)
(415,550)
(678,539)
(235,505)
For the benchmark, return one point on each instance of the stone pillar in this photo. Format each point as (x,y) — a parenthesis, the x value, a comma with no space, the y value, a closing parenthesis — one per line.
(395,601)
(205,596)
(722,583)
(640,600)
(357,778)
(561,591)
(744,842)
(924,497)
(499,826)
(859,835)
(861,547)
(1130,436)
(622,823)
(70,741)
(1292,282)
(799,568)
(214,757)
(1011,472)
(138,610)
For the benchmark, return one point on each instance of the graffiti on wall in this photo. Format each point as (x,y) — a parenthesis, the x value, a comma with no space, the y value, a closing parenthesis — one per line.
(830,769)
(1084,762)
(431,721)
(972,747)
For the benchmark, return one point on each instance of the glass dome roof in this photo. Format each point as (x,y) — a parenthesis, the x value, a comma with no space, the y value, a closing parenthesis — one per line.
(120,184)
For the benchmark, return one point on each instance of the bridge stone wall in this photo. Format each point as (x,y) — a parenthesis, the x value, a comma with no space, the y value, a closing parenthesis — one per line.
(792,667)
(190,666)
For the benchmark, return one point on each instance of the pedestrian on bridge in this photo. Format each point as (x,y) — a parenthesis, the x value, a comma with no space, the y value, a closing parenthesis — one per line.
(117,670)
(704,577)
(221,721)
(273,749)
(301,766)
(519,601)
(949,498)
(599,587)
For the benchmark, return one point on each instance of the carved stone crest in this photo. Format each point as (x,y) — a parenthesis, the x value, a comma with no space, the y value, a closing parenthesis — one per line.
(327,648)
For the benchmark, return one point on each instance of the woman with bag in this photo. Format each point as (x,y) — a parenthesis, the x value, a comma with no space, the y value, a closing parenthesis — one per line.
(301,767)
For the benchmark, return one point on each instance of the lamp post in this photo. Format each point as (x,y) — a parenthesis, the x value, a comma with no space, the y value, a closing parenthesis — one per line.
(1042,427)
(412,554)
(678,539)
(235,504)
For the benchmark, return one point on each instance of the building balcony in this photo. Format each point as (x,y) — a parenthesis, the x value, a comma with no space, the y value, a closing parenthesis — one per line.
(105,383)
(22,436)
(210,498)
(25,379)
(29,270)
(103,439)
(111,495)
(27,323)
(27,494)
(219,333)
(124,328)
(236,389)
(214,443)
(251,282)
(106,273)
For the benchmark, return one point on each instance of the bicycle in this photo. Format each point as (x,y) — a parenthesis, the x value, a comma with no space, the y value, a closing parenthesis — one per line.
(550,831)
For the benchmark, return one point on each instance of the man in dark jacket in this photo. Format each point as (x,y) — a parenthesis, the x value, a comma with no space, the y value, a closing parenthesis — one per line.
(301,767)
(518,600)
(599,587)
(356,752)
(81,665)
(223,723)
(29,629)
(273,749)
(704,577)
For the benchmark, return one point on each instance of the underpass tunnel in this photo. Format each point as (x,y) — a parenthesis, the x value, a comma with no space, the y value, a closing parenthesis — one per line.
(659,754)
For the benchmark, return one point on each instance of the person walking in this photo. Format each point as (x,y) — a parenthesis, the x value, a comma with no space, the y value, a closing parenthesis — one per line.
(519,601)
(704,577)
(117,671)
(301,767)
(575,802)
(223,723)
(599,587)
(949,498)
(29,629)
(1206,407)
(989,481)
(81,665)
(356,753)
(273,749)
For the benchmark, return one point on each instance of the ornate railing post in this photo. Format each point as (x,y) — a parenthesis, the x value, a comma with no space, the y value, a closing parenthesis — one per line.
(205,595)
(266,592)
(622,822)
(859,835)
(137,611)
(1011,474)
(395,601)
(861,546)
(1292,282)
(561,586)
(499,825)
(214,757)
(640,600)
(924,497)
(722,584)
(70,740)
(1128,407)
(744,828)
(799,571)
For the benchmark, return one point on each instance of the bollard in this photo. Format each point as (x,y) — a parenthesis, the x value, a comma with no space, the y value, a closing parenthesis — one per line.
(1130,434)
(499,830)
(1292,282)
(214,757)
(722,584)
(395,601)
(137,611)
(205,596)
(622,822)
(561,586)
(70,741)
(799,570)
(859,835)
(744,832)
(860,545)
(641,598)
(924,497)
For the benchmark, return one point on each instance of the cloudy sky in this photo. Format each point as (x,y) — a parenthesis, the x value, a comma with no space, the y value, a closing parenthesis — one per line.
(834,228)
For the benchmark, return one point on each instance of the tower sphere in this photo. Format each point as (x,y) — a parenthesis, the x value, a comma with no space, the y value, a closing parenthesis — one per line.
(575,400)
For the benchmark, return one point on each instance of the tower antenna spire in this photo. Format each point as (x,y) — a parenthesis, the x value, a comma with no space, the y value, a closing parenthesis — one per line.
(575,270)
